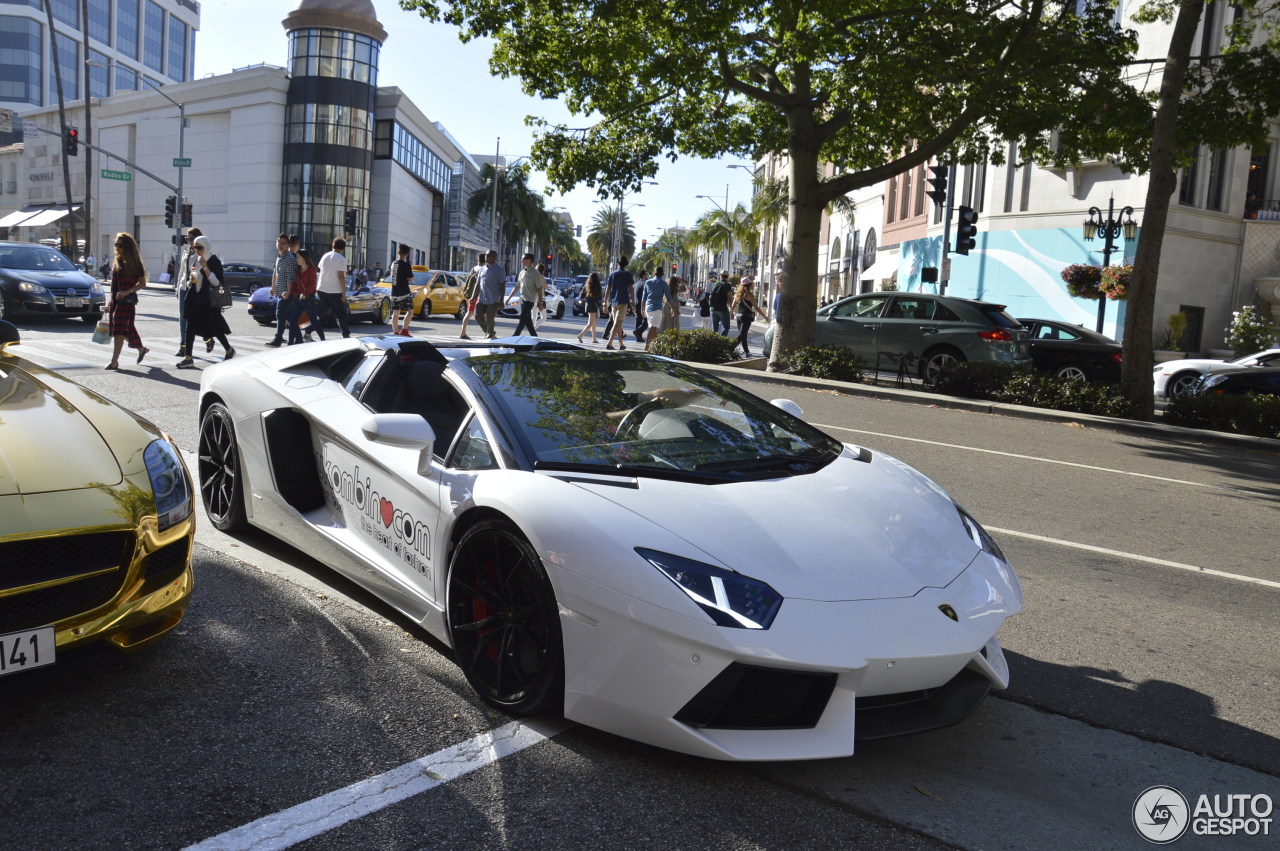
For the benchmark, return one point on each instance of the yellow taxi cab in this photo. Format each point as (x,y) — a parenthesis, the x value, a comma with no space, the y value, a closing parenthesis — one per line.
(436,292)
(96,521)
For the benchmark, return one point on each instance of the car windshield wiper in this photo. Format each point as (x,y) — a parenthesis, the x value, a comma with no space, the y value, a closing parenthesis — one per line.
(634,470)
(768,462)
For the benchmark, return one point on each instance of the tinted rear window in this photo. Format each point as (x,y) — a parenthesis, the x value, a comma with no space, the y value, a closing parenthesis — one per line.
(997,317)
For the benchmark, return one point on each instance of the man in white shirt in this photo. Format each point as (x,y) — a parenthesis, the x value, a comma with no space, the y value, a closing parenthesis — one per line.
(331,285)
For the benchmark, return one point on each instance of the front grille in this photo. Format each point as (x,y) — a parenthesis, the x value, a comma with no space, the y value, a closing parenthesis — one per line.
(164,565)
(40,560)
(746,697)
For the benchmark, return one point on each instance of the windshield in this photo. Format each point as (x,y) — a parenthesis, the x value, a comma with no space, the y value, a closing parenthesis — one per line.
(635,414)
(37,258)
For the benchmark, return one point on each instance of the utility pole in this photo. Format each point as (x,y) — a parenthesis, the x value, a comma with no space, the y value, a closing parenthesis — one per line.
(88,136)
(493,208)
(62,120)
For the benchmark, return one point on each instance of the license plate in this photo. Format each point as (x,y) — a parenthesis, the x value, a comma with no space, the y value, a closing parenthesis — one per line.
(20,651)
(73,303)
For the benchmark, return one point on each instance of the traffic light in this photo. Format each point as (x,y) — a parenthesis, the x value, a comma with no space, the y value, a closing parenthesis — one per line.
(186,215)
(675,267)
(644,244)
(939,183)
(71,142)
(170,210)
(349,222)
(966,230)
(548,258)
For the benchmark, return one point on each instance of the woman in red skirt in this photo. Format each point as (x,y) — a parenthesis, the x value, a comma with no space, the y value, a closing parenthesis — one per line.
(128,276)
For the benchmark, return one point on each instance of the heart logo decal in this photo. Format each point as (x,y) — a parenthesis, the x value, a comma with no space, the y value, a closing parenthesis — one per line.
(388,512)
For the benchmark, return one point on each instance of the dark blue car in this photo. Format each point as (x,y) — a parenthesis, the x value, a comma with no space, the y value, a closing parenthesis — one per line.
(371,301)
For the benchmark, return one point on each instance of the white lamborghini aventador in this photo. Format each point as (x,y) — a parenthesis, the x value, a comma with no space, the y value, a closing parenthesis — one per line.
(620,538)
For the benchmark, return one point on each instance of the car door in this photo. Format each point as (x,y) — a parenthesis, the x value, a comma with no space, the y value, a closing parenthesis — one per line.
(446,298)
(385,500)
(907,327)
(852,323)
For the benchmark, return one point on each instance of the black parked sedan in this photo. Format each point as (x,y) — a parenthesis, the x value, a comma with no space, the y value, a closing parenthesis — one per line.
(1073,351)
(1261,380)
(36,280)
(246,277)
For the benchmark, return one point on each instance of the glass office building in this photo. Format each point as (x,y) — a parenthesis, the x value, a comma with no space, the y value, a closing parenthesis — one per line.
(131,43)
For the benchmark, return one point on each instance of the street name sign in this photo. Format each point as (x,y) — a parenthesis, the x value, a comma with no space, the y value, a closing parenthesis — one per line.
(182,162)
(108,174)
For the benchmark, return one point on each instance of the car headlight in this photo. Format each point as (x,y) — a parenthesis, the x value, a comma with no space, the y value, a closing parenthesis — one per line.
(96,290)
(169,483)
(731,599)
(979,535)
(1208,381)
(33,289)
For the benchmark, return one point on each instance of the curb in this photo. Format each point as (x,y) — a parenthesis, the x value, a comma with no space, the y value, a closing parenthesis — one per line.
(1158,431)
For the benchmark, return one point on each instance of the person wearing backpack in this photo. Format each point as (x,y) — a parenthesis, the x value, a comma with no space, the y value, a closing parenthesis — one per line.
(721,290)
(703,319)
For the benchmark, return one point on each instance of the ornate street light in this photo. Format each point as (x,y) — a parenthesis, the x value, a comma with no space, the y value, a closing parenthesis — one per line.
(1111,228)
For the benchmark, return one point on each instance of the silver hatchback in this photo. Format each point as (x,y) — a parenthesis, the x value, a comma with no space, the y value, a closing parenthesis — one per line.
(931,331)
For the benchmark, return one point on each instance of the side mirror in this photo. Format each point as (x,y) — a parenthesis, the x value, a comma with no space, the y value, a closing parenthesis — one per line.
(406,431)
(787,405)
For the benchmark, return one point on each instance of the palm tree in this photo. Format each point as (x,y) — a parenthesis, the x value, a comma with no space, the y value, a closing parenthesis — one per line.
(600,237)
(718,230)
(521,212)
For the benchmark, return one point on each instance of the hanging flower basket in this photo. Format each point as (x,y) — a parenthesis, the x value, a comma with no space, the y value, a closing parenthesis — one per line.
(1082,281)
(1115,282)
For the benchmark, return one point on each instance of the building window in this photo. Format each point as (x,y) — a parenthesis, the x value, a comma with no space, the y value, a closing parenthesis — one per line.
(920,190)
(332,53)
(1187,182)
(410,152)
(99,75)
(153,37)
(891,208)
(1217,178)
(328,124)
(1192,337)
(69,63)
(126,79)
(906,195)
(177,50)
(20,60)
(67,11)
(100,21)
(127,28)
(1010,176)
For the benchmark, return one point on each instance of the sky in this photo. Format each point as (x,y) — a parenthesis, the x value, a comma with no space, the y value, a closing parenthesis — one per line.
(451,83)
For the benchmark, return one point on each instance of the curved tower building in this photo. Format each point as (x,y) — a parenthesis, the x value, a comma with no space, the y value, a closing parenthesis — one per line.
(329,121)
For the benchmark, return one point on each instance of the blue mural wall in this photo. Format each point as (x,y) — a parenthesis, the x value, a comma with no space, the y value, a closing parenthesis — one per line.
(1021,269)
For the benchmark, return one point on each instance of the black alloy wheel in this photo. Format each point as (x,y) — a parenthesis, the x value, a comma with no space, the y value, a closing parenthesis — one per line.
(425,310)
(504,621)
(219,470)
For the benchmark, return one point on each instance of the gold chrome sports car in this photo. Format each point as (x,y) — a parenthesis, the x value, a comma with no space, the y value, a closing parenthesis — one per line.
(96,522)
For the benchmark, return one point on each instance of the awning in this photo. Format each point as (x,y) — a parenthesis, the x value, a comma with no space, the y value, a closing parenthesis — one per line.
(48,217)
(884,267)
(18,216)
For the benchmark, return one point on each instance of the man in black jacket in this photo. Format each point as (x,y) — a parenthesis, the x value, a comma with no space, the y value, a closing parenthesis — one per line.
(719,300)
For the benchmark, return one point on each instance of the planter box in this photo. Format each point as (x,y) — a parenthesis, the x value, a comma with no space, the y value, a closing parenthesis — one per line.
(1163,356)
(1222,354)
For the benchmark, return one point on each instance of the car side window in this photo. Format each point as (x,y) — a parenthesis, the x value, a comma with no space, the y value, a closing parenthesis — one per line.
(862,308)
(473,451)
(904,307)
(1046,332)
(359,378)
(942,313)
(1268,360)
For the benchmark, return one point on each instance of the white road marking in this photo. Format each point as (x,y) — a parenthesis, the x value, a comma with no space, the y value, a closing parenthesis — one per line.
(1252,580)
(1041,459)
(314,817)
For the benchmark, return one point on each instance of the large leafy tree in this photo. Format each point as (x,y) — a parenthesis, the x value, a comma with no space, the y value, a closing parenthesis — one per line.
(1222,100)
(874,87)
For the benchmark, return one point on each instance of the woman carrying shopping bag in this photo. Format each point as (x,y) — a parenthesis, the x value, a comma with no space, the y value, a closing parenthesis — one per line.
(128,277)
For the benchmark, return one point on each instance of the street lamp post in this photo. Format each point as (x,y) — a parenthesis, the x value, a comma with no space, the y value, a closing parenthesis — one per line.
(725,210)
(1110,228)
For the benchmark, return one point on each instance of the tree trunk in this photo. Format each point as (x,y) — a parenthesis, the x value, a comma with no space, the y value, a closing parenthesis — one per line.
(797,304)
(1135,381)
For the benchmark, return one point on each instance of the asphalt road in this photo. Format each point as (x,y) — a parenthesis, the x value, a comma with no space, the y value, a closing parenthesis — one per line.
(284,709)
